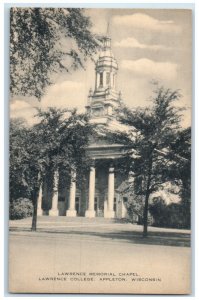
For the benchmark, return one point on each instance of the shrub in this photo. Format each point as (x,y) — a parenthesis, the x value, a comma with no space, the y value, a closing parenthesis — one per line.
(171,215)
(20,209)
(135,208)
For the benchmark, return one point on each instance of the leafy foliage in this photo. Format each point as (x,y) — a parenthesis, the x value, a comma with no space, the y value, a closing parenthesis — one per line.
(20,208)
(19,159)
(37,49)
(62,136)
(151,158)
(182,147)
(171,215)
(57,142)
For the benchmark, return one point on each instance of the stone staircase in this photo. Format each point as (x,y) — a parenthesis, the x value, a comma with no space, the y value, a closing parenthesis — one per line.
(82,220)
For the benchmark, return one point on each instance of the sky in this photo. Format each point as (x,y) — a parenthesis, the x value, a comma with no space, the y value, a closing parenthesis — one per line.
(148,44)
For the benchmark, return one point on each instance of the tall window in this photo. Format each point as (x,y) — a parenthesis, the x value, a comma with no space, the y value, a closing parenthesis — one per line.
(101,79)
(108,78)
(125,199)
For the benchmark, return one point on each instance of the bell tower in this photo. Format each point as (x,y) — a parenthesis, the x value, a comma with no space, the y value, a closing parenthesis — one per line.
(103,101)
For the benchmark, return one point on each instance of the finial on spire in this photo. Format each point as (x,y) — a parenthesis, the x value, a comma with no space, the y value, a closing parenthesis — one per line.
(107,31)
(106,38)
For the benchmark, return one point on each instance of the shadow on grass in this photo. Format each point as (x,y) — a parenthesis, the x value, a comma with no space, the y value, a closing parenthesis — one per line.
(135,237)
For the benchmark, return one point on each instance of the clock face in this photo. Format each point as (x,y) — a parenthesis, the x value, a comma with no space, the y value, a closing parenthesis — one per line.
(97,112)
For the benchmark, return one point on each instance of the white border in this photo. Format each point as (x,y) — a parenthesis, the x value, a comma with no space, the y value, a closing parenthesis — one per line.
(195,140)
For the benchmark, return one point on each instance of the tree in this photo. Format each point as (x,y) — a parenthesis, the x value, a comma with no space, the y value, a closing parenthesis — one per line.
(182,147)
(150,159)
(57,142)
(158,209)
(37,49)
(24,159)
(17,158)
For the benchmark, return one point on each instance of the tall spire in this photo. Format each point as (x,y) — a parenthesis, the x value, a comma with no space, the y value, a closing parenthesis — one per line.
(107,40)
(104,100)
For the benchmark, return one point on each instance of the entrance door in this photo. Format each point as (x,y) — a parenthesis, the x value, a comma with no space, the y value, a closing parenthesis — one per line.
(99,208)
(96,205)
(77,205)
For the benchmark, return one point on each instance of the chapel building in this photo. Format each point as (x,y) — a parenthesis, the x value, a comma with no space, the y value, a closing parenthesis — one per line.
(100,194)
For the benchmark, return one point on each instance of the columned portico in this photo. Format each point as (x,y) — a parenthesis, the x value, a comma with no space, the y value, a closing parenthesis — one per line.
(54,210)
(71,212)
(90,213)
(111,189)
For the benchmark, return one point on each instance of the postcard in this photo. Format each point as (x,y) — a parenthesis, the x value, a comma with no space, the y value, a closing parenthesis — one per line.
(100,150)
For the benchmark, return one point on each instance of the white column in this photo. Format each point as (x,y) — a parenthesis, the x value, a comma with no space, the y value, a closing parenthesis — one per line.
(90,213)
(111,190)
(39,203)
(54,210)
(71,212)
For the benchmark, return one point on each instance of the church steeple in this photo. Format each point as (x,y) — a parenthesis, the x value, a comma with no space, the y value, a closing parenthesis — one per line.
(106,67)
(103,101)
